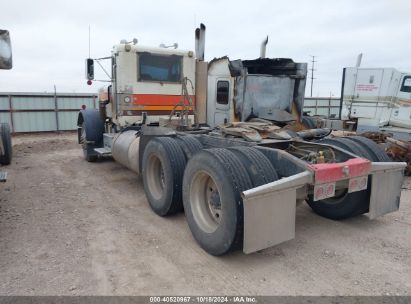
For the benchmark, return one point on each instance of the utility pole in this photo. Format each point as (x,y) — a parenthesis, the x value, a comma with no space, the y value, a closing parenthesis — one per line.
(312,72)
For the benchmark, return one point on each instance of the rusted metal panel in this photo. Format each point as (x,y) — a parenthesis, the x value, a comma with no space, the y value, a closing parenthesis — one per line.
(400,150)
(201,91)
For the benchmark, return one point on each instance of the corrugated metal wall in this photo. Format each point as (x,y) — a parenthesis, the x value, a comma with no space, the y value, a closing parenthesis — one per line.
(329,107)
(40,112)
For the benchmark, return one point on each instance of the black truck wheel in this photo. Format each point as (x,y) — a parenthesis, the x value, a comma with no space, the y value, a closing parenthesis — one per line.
(348,145)
(189,144)
(377,153)
(259,168)
(88,149)
(6,156)
(163,170)
(213,182)
(343,205)
(91,132)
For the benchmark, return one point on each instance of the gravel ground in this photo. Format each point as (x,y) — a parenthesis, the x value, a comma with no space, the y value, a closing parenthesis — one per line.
(68,227)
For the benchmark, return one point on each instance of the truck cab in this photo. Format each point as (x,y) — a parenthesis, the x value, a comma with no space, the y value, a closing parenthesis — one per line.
(147,82)
(401,113)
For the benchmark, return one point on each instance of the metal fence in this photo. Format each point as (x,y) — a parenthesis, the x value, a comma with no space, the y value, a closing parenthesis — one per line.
(42,112)
(325,106)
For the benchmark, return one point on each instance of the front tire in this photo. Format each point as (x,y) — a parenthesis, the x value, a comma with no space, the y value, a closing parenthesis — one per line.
(88,150)
(5,158)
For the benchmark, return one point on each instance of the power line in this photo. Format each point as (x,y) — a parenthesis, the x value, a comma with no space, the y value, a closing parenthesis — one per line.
(312,72)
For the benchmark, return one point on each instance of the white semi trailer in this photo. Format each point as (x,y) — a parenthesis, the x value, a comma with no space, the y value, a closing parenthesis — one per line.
(377,99)
(224,141)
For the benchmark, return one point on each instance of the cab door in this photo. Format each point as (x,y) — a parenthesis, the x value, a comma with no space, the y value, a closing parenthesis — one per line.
(222,100)
(405,89)
(401,115)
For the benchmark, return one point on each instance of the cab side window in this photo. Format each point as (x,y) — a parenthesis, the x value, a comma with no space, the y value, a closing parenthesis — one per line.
(222,92)
(406,84)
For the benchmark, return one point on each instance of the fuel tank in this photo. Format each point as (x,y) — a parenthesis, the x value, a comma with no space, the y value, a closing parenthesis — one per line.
(125,149)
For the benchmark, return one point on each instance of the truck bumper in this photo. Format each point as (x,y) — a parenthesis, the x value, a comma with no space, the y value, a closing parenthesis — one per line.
(270,210)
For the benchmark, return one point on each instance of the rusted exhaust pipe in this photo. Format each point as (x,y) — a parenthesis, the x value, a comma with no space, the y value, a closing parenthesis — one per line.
(263,47)
(200,42)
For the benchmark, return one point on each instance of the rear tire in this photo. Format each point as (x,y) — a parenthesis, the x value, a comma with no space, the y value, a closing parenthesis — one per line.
(346,204)
(259,168)
(348,145)
(343,206)
(189,144)
(213,182)
(162,172)
(376,152)
(5,158)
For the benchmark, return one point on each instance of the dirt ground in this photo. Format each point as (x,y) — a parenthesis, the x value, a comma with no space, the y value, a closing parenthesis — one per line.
(68,227)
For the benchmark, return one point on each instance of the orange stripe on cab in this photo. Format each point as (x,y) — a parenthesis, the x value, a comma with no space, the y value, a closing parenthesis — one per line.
(157,100)
(159,108)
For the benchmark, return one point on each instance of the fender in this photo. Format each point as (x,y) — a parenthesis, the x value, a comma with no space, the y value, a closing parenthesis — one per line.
(90,119)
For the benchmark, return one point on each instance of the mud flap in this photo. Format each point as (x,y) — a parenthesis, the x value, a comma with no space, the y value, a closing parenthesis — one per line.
(386,182)
(269,212)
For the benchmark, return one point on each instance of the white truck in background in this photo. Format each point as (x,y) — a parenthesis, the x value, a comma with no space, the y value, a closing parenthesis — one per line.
(377,99)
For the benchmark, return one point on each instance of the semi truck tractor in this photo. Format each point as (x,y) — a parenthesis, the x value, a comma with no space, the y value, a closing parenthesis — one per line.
(225,142)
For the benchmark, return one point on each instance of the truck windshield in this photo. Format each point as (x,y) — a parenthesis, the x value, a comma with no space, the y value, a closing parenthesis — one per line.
(406,84)
(159,67)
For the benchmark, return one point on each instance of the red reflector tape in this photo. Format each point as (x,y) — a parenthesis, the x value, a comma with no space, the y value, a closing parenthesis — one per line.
(325,173)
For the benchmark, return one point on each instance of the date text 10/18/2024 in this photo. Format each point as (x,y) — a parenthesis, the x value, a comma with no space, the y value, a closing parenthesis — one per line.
(205,299)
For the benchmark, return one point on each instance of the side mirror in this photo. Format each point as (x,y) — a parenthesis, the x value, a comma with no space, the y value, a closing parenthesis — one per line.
(89,69)
(6,62)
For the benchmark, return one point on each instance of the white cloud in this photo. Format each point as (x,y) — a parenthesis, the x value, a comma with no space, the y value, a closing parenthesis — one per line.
(50,38)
